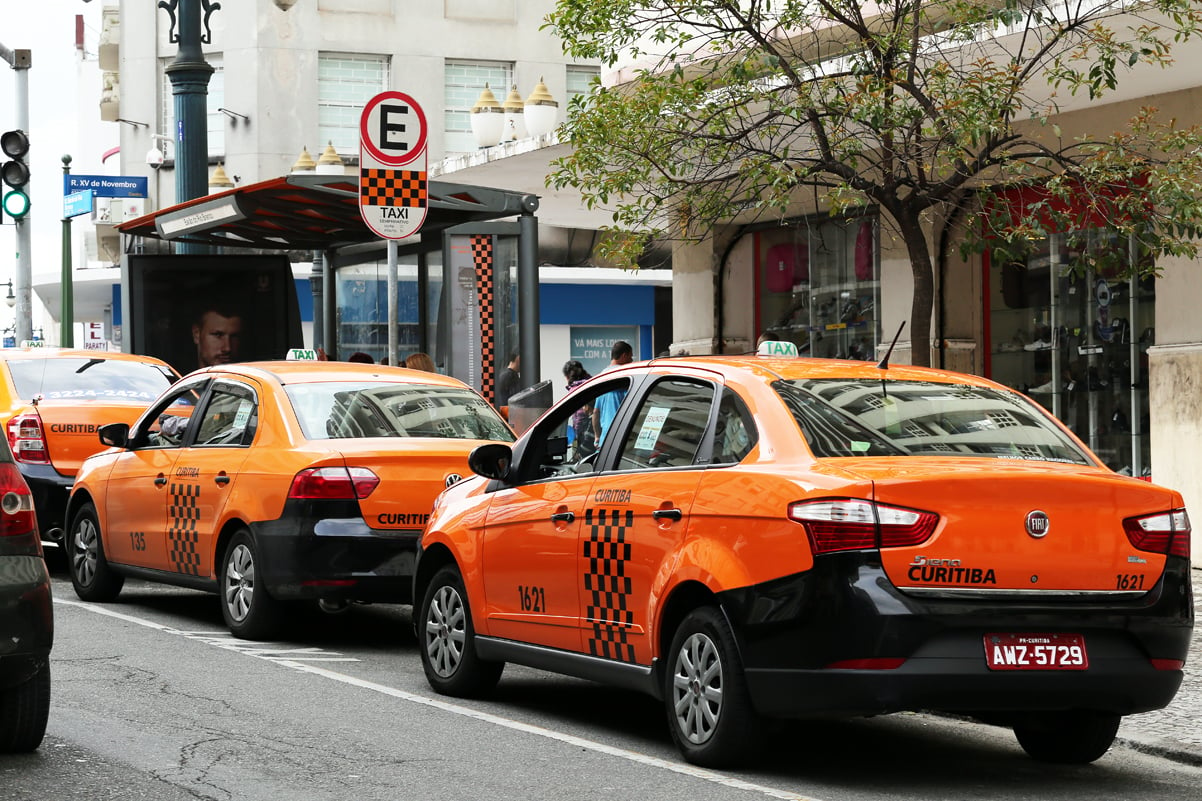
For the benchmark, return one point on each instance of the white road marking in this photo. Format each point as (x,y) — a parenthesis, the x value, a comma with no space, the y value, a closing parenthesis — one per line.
(301,665)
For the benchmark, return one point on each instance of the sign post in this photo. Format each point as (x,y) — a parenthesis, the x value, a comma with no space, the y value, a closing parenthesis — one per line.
(393,197)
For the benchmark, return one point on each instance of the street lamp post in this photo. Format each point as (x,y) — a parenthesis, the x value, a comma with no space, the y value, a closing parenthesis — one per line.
(66,336)
(189,74)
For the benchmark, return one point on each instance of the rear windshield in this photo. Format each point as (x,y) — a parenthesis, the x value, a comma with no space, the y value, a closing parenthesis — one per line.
(86,380)
(346,410)
(862,417)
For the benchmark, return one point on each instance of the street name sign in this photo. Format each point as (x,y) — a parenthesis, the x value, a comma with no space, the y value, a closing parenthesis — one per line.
(77,203)
(107,185)
(393,197)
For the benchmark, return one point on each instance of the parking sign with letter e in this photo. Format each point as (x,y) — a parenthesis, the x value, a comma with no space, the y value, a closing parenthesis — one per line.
(393,194)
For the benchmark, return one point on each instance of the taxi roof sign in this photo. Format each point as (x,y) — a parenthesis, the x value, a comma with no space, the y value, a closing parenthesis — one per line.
(33,343)
(773,347)
(301,355)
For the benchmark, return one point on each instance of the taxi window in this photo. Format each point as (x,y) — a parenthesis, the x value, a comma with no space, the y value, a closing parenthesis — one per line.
(85,380)
(867,417)
(669,426)
(164,424)
(229,418)
(734,433)
(353,410)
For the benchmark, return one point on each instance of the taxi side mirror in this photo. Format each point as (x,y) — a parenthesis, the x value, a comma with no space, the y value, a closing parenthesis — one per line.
(115,435)
(491,461)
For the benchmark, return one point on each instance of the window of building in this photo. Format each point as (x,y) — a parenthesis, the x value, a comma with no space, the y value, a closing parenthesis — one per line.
(1067,329)
(818,286)
(464,80)
(345,83)
(580,80)
(215,99)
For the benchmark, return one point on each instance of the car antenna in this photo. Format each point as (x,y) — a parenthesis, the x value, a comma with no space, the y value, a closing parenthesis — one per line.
(883,364)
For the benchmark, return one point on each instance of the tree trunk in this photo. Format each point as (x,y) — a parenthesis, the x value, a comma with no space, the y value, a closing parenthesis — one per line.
(922,303)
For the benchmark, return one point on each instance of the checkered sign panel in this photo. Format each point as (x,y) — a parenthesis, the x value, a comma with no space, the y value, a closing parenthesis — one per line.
(392,188)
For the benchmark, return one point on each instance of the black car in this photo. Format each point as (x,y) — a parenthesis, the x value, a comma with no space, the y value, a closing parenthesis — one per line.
(26,616)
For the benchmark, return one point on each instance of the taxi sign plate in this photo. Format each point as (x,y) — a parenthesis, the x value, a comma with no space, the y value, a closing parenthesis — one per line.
(301,355)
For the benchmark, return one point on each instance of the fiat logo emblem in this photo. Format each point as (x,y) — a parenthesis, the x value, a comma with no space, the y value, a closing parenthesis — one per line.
(455,478)
(1038,524)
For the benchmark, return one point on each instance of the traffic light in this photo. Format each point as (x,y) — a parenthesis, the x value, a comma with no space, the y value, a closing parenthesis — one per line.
(15,173)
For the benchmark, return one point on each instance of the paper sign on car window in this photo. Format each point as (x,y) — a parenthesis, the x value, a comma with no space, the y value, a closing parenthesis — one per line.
(652,425)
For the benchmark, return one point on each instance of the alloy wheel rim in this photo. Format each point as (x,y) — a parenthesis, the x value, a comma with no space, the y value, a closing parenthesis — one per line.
(240,582)
(446,631)
(697,689)
(84,558)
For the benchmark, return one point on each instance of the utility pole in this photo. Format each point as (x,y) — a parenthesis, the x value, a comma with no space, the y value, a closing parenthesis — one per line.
(21,61)
(66,337)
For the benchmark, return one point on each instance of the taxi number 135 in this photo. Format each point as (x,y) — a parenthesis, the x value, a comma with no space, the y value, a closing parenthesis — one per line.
(532,599)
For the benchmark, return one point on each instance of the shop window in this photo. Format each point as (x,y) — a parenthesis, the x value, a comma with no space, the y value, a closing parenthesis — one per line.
(1068,331)
(818,287)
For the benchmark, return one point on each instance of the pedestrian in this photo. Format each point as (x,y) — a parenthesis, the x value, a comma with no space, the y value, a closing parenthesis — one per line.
(359,357)
(510,379)
(582,419)
(420,361)
(605,408)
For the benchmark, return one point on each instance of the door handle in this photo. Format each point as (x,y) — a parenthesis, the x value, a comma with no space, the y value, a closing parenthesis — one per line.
(221,479)
(160,480)
(563,517)
(667,514)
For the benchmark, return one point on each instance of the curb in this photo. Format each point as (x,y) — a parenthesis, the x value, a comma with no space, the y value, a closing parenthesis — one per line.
(1184,756)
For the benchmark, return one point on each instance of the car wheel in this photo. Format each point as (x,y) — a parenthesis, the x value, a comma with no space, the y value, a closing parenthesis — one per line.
(24,710)
(249,611)
(91,575)
(448,640)
(1067,738)
(705,692)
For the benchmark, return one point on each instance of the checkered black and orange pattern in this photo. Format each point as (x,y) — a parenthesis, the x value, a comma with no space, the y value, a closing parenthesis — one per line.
(182,537)
(392,188)
(482,258)
(606,584)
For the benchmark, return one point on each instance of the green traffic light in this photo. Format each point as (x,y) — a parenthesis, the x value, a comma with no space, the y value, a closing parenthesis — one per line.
(16,204)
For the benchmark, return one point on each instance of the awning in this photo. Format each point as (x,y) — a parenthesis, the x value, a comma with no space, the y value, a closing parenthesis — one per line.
(311,212)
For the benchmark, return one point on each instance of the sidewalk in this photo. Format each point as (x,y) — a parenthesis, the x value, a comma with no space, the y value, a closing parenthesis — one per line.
(1176,731)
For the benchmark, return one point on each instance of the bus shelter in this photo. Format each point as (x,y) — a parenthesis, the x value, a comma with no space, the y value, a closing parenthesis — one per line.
(480,244)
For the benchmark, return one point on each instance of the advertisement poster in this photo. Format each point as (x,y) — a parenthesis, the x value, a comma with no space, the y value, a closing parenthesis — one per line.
(196,311)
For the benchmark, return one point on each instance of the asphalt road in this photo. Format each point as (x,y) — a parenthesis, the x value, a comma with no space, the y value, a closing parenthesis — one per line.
(154,700)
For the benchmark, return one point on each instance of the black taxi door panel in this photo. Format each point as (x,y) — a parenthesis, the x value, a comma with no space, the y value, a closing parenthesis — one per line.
(637,514)
(205,475)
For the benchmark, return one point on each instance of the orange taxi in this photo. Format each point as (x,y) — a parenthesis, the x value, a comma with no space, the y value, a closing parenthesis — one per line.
(52,400)
(269,482)
(777,537)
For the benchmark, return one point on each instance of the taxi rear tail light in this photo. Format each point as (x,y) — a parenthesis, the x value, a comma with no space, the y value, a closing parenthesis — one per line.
(27,439)
(16,503)
(850,524)
(1165,533)
(333,483)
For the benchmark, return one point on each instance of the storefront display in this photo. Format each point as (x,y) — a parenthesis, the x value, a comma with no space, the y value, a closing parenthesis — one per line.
(1066,328)
(818,287)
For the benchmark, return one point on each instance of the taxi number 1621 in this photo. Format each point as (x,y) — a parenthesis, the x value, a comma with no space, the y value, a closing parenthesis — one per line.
(532,599)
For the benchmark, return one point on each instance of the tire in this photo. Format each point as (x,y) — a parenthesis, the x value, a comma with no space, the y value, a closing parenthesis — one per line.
(705,693)
(447,640)
(250,612)
(24,710)
(1067,738)
(91,575)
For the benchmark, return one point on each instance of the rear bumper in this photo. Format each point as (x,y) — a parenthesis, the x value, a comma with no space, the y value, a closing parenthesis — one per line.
(336,559)
(26,618)
(792,631)
(50,490)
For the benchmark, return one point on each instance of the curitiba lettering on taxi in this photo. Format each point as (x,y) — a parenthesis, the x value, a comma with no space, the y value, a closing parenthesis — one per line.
(402,519)
(948,571)
(73,428)
(612,496)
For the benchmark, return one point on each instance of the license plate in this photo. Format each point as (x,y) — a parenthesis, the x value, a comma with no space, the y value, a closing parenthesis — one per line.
(1036,652)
